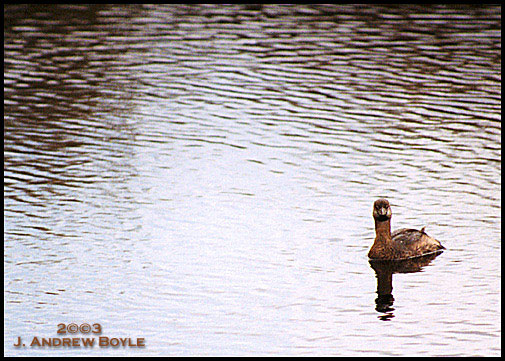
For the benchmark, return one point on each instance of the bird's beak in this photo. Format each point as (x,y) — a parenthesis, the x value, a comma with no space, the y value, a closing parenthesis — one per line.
(383,211)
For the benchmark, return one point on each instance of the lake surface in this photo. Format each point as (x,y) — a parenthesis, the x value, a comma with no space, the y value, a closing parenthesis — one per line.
(203,177)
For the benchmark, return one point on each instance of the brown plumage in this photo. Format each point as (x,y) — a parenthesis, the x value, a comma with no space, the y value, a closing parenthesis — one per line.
(401,244)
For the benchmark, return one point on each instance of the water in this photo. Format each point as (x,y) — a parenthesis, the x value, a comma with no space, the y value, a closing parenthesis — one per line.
(203,177)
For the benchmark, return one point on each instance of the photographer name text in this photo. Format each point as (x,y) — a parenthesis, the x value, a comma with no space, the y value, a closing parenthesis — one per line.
(102,341)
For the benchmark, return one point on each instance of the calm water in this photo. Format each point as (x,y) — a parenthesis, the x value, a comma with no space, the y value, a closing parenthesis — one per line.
(203,177)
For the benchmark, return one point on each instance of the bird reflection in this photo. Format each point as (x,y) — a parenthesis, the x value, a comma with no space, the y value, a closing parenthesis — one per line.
(384,271)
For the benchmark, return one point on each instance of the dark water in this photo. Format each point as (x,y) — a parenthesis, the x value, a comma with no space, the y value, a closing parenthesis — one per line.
(203,177)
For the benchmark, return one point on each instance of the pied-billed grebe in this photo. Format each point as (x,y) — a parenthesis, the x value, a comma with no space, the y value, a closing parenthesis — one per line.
(403,243)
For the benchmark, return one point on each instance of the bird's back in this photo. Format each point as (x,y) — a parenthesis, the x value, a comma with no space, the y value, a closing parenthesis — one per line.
(409,243)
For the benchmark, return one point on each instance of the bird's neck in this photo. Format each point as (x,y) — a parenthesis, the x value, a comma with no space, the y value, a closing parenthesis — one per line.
(383,230)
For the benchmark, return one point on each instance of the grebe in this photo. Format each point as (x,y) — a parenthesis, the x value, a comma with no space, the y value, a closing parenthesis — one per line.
(401,244)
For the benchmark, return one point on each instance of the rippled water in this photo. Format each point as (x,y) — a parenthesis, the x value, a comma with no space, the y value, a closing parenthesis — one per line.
(203,177)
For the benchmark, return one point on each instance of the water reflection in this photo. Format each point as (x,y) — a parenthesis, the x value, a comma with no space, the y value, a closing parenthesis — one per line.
(384,271)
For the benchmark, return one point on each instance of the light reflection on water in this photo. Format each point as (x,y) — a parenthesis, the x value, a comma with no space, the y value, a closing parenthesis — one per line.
(203,176)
